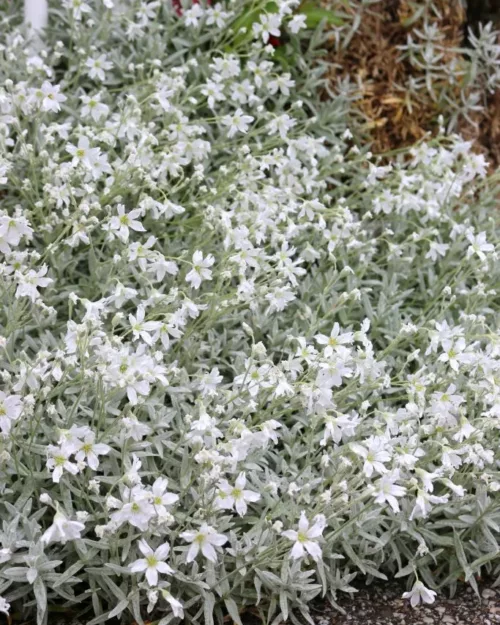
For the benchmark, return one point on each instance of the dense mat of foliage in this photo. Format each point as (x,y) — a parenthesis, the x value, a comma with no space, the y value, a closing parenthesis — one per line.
(241,361)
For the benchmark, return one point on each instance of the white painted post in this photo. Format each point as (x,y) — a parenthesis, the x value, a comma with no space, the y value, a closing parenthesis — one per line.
(36,14)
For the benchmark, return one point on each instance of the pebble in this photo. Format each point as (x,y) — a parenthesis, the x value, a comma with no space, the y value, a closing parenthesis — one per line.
(381,604)
(488,593)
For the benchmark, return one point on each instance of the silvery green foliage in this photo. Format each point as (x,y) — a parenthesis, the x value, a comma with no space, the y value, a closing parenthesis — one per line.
(242,362)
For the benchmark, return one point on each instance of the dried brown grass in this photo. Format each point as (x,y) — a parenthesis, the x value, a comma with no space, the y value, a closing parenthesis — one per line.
(373,59)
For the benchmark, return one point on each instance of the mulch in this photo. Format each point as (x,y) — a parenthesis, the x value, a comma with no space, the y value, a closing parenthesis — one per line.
(373,61)
(382,604)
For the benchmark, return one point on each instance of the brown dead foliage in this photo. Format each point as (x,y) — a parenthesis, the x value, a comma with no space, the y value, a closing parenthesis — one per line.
(374,61)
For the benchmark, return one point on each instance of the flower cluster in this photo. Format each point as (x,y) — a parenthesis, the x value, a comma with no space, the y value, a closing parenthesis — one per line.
(242,360)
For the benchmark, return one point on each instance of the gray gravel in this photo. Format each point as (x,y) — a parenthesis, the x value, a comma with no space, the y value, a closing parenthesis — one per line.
(382,605)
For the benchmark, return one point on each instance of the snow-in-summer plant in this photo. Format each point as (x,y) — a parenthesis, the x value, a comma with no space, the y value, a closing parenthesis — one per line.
(242,361)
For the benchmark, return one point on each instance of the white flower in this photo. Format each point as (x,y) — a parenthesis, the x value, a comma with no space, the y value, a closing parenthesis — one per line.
(137,508)
(5,554)
(193,15)
(200,270)
(437,250)
(230,497)
(4,606)
(281,124)
(153,562)
(83,153)
(31,281)
(134,428)
(12,230)
(215,15)
(161,498)
(50,97)
(71,440)
(11,407)
(78,8)
(279,298)
(423,504)
(335,340)
(214,92)
(59,461)
(209,382)
(305,538)
(269,25)
(386,490)
(89,451)
(466,430)
(479,246)
(237,122)
(333,372)
(455,353)
(93,106)
(420,593)
(141,328)
(204,430)
(122,223)
(374,455)
(175,604)
(298,22)
(204,539)
(447,401)
(280,82)
(97,67)
(62,530)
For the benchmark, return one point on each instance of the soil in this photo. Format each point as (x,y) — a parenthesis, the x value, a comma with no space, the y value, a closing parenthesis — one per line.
(382,604)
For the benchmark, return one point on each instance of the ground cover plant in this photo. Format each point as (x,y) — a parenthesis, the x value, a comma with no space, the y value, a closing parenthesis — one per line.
(242,361)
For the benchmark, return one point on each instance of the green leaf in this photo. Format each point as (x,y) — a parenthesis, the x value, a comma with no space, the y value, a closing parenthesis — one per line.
(258,586)
(316,14)
(284,605)
(119,608)
(41,600)
(282,57)
(232,609)
(208,608)
(462,558)
(136,607)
